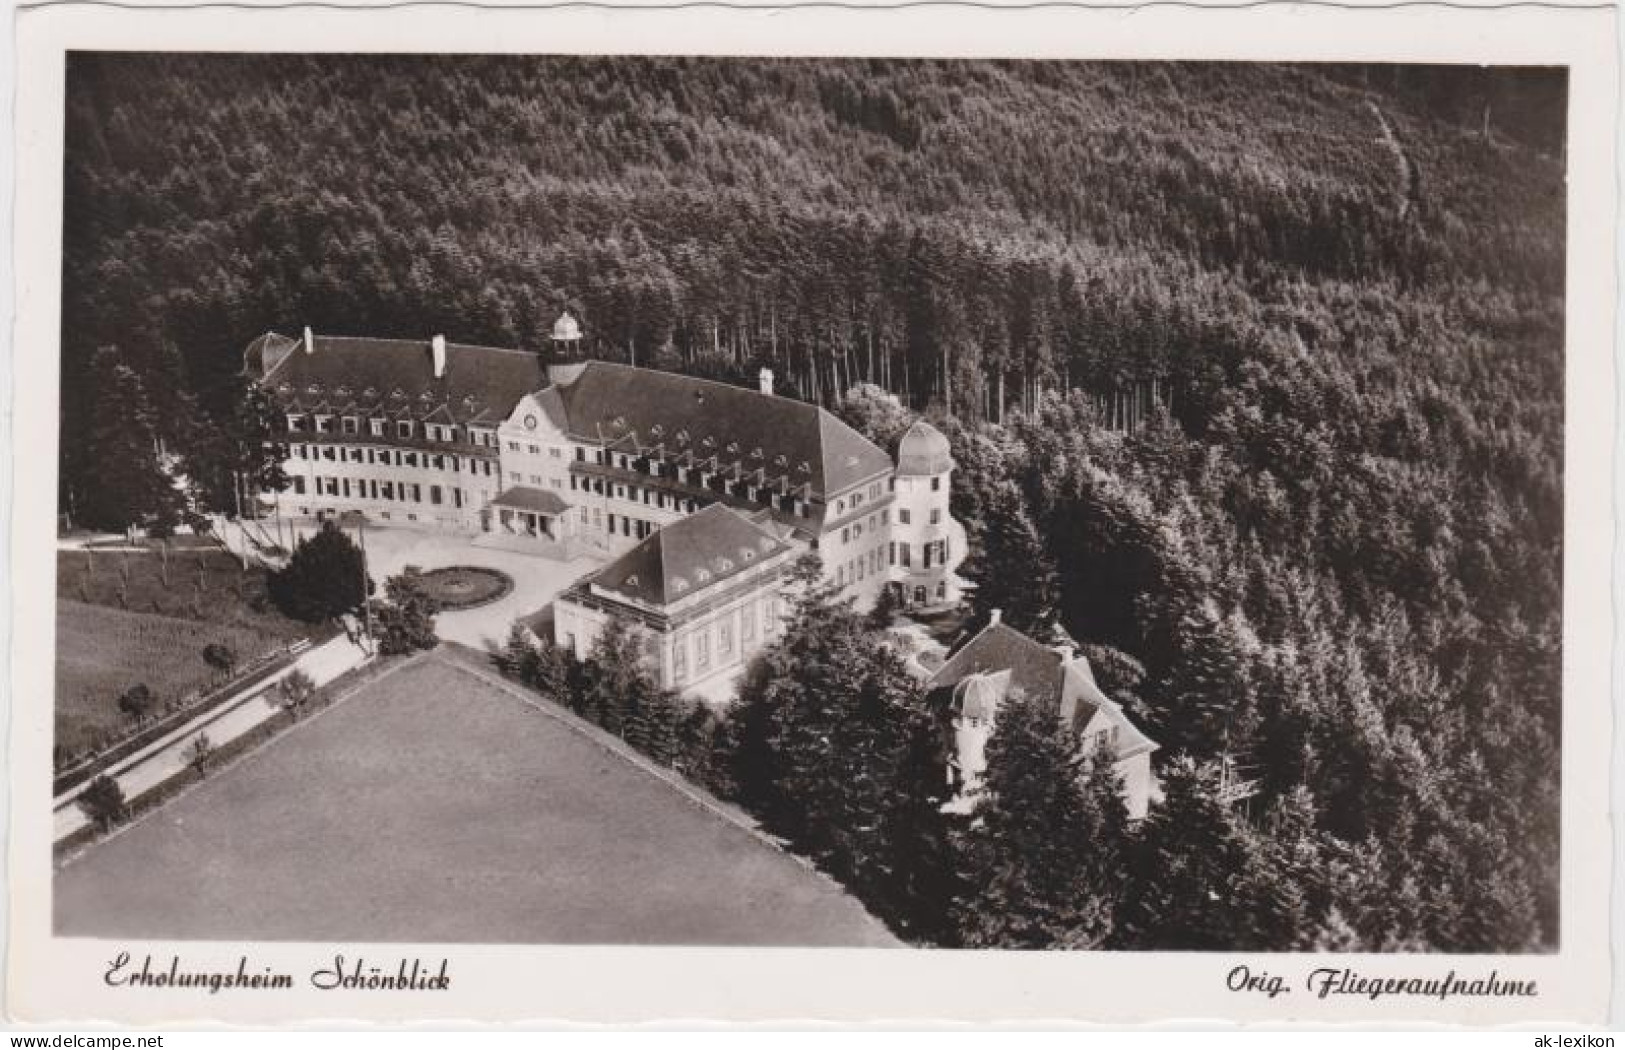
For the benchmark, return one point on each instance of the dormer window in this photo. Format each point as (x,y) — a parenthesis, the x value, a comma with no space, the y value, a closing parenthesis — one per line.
(723,565)
(296,423)
(703,575)
(679,584)
(324,424)
(403,428)
(657,430)
(351,425)
(377,427)
(632,580)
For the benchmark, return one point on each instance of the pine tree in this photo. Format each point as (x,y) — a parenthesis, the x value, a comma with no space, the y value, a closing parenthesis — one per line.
(1199,877)
(833,749)
(1044,847)
(127,484)
(323,580)
(518,657)
(1012,569)
(618,679)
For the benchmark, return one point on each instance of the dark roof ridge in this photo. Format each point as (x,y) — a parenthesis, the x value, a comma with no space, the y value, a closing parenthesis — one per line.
(425,341)
(685,377)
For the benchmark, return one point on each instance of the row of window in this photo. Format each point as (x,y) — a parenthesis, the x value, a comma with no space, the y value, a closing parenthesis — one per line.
(629,526)
(854,532)
(742,487)
(535,479)
(370,488)
(722,630)
(394,457)
(904,517)
(536,450)
(399,428)
(649,497)
(860,567)
(856,499)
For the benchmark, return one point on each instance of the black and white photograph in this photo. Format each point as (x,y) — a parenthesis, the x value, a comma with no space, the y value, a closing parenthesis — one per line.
(940,504)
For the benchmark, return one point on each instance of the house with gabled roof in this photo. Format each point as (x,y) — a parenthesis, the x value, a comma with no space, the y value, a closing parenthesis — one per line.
(999,663)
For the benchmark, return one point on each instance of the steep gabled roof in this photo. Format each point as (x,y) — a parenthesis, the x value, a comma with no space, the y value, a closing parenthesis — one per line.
(1035,669)
(1040,673)
(707,419)
(694,553)
(480,381)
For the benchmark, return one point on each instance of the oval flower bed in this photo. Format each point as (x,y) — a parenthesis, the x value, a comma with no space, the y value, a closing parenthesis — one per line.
(464,586)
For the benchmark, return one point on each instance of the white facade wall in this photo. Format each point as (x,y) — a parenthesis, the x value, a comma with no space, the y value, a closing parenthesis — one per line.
(922,530)
(855,547)
(389,484)
(698,648)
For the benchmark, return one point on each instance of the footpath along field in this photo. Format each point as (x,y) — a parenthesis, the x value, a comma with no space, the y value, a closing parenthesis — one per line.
(437,806)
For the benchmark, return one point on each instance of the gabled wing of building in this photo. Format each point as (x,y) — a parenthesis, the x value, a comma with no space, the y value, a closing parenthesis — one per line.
(741,430)
(703,550)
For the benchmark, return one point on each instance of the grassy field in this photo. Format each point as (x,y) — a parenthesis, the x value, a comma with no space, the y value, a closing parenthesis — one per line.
(127,617)
(101,652)
(433,807)
(204,585)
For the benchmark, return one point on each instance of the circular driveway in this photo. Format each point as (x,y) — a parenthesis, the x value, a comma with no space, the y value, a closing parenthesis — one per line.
(536,579)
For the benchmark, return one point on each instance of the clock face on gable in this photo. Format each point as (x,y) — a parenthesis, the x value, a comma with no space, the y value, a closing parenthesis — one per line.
(530,422)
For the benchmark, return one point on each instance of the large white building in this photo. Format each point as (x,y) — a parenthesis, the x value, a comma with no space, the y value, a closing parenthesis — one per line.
(601,457)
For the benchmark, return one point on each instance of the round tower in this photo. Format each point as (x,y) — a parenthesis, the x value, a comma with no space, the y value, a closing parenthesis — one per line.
(930,543)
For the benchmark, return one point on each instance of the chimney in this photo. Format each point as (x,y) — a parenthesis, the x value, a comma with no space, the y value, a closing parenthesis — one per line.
(764,380)
(993,618)
(437,347)
(310,341)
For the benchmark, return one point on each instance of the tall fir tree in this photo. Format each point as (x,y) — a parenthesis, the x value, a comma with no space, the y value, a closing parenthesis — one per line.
(1045,846)
(1200,878)
(126,482)
(1012,570)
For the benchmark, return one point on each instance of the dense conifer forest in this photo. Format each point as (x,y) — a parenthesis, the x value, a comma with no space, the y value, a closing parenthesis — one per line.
(1257,371)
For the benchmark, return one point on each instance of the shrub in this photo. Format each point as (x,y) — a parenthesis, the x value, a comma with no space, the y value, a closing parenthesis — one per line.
(323,580)
(102,802)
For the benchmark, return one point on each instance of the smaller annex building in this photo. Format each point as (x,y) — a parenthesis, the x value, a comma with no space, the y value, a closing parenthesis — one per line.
(705,590)
(1001,662)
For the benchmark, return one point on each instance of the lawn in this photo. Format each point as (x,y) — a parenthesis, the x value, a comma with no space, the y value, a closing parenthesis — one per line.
(130,617)
(433,806)
(197,584)
(102,652)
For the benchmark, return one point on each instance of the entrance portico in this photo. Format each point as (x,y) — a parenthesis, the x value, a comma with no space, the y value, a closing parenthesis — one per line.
(524,511)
